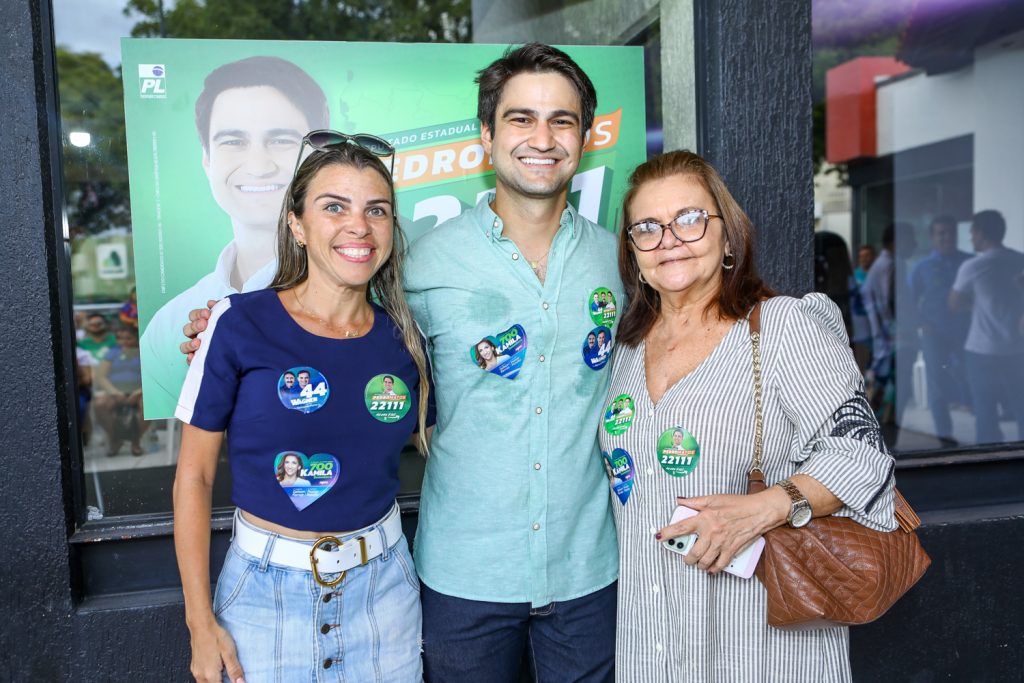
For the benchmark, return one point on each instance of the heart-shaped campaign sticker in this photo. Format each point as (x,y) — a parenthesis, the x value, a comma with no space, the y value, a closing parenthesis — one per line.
(305,478)
(502,353)
(620,471)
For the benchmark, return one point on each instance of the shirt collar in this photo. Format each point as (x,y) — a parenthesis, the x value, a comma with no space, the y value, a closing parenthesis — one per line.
(492,225)
(226,263)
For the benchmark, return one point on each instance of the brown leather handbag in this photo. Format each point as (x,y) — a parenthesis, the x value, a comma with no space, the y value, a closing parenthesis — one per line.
(833,571)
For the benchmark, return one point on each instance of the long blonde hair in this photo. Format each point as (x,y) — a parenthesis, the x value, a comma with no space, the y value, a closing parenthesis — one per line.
(385,285)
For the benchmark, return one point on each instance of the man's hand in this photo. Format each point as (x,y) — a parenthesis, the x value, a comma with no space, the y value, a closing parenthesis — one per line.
(197,321)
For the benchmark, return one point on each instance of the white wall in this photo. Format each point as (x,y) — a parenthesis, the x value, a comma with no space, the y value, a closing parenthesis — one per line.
(985,99)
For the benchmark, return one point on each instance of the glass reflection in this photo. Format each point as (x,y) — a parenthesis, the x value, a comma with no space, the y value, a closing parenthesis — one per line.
(919,155)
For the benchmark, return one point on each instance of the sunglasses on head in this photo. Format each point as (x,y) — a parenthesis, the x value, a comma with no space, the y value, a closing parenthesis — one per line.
(324,140)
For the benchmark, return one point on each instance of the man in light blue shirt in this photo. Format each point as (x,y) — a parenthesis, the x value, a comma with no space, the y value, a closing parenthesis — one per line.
(516,547)
(516,544)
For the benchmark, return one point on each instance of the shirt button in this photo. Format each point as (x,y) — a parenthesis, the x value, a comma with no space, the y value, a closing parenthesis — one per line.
(654,588)
(325,629)
(544,305)
(657,646)
(650,413)
(515,256)
(536,526)
(536,465)
(328,662)
(541,358)
(538,410)
(650,471)
(653,531)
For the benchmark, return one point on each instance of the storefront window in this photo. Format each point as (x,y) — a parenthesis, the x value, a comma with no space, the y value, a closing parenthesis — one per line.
(128,461)
(920,215)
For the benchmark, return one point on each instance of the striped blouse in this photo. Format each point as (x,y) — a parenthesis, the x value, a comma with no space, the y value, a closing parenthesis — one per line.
(677,623)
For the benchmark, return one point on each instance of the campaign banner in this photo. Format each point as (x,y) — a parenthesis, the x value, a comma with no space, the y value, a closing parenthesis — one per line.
(214,129)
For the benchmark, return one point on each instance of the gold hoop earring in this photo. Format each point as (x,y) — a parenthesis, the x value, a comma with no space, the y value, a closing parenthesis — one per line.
(300,244)
(640,277)
(731,262)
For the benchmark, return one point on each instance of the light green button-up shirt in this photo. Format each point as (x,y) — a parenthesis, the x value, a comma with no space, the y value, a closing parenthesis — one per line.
(515,503)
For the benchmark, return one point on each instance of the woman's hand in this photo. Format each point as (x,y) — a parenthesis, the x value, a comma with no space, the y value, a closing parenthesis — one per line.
(726,524)
(213,651)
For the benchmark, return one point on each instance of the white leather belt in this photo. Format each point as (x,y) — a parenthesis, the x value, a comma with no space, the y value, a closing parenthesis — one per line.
(356,548)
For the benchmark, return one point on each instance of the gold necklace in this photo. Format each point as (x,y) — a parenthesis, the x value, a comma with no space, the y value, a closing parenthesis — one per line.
(348,333)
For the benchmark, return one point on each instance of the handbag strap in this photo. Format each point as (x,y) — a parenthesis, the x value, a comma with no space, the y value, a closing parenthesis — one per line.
(755,476)
(905,515)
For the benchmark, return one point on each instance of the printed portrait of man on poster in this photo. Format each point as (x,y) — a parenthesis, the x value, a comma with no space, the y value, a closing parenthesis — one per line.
(215,129)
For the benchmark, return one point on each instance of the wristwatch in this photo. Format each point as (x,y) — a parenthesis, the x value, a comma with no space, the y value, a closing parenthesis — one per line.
(800,510)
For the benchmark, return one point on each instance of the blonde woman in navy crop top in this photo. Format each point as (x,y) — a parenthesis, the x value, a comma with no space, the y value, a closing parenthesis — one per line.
(295,375)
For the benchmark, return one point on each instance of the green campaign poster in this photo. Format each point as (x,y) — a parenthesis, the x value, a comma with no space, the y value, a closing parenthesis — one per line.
(214,128)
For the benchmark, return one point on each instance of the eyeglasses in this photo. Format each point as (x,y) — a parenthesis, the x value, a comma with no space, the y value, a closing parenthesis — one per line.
(324,140)
(689,226)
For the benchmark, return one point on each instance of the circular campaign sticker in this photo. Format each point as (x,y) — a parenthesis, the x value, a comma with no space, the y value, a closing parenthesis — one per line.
(303,388)
(618,416)
(387,398)
(305,478)
(597,347)
(601,305)
(678,451)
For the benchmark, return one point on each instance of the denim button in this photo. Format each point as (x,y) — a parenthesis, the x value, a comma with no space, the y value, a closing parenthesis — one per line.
(328,662)
(327,597)
(325,629)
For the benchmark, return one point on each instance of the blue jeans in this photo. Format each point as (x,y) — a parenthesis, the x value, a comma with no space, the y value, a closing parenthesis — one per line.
(996,380)
(278,615)
(470,641)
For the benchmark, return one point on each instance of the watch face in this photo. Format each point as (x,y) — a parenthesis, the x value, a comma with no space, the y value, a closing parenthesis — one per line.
(801,516)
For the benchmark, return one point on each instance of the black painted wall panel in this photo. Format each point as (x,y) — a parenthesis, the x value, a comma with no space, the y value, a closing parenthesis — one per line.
(34,559)
(754,124)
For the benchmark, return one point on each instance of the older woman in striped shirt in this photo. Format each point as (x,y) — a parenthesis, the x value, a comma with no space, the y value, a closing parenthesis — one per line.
(684,360)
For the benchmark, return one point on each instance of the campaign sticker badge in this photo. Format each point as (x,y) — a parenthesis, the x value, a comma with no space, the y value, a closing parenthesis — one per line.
(387,398)
(601,306)
(620,472)
(502,354)
(618,416)
(597,347)
(303,388)
(678,451)
(305,478)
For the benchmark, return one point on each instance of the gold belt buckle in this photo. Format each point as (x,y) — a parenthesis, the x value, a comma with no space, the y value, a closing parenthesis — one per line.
(333,539)
(313,561)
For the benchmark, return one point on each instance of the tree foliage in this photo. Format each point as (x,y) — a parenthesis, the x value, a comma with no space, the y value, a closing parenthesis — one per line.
(355,20)
(95,176)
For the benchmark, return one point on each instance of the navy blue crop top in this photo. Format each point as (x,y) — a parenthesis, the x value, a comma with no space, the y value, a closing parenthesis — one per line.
(315,426)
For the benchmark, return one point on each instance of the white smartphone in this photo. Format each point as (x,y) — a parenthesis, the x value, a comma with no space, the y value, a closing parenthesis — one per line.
(742,565)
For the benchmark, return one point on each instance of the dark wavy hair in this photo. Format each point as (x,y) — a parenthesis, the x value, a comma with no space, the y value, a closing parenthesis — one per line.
(741,288)
(538,59)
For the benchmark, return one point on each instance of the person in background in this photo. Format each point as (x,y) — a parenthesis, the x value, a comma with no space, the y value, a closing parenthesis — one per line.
(941,332)
(865,257)
(988,285)
(98,338)
(894,341)
(129,311)
(833,272)
(118,383)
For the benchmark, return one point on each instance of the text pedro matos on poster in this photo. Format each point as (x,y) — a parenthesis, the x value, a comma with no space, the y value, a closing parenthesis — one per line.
(207,183)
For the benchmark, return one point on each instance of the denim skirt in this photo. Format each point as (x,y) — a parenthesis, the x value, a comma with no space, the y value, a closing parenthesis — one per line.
(287,628)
